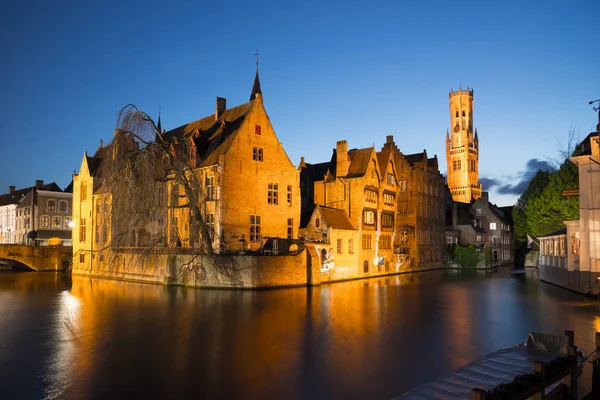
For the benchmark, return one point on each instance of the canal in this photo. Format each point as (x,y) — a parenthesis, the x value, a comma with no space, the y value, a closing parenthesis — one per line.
(372,339)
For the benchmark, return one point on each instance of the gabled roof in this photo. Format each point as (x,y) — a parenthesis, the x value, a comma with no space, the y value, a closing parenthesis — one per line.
(414,158)
(562,231)
(336,219)
(14,197)
(317,171)
(359,162)
(383,159)
(211,136)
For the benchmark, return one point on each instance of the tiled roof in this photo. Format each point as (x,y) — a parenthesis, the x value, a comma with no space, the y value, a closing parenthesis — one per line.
(359,163)
(562,231)
(414,158)
(336,219)
(14,197)
(317,171)
(212,137)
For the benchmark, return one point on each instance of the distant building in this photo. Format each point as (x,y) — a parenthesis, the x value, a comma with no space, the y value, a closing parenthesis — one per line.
(35,214)
(483,225)
(462,148)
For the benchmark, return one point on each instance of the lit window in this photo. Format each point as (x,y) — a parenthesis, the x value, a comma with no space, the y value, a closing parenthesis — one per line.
(56,222)
(273,193)
(389,199)
(369,217)
(387,220)
(492,226)
(51,205)
(45,221)
(257,153)
(209,183)
(67,221)
(82,230)
(478,238)
(371,196)
(385,242)
(390,179)
(254,228)
(366,242)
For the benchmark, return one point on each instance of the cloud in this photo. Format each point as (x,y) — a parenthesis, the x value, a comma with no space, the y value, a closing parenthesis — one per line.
(522,179)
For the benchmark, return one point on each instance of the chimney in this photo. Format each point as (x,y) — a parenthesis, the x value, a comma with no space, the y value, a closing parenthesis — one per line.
(485,197)
(39,184)
(221,107)
(342,161)
(11,189)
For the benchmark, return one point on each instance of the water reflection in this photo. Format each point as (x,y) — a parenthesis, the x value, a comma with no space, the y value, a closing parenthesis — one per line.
(377,338)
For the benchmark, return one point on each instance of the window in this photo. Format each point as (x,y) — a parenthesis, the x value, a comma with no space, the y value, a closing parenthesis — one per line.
(317,222)
(210,225)
(403,186)
(478,238)
(366,267)
(56,222)
(464,115)
(289,195)
(350,246)
(82,230)
(209,183)
(369,217)
(371,196)
(339,246)
(387,220)
(385,242)
(272,195)
(403,207)
(366,242)
(83,191)
(62,206)
(45,221)
(456,164)
(478,211)
(477,223)
(389,199)
(404,236)
(390,179)
(81,258)
(51,205)
(507,228)
(254,228)
(67,221)
(492,226)
(257,153)
(448,239)
(456,113)
(257,129)
(290,228)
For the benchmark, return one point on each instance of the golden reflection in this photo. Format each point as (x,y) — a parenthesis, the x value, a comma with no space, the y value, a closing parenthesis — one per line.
(597,324)
(60,370)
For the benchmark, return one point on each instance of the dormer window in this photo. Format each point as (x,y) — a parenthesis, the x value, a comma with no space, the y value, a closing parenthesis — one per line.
(257,129)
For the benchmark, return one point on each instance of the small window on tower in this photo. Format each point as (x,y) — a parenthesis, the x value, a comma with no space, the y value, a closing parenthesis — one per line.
(257,129)
(456,113)
(464,113)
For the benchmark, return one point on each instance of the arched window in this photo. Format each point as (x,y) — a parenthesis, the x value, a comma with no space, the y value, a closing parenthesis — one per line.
(51,205)
(464,114)
(56,222)
(456,113)
(68,222)
(45,221)
(366,266)
(323,256)
(62,206)
(575,243)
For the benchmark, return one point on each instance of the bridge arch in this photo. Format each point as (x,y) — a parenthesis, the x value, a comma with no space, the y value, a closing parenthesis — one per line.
(38,258)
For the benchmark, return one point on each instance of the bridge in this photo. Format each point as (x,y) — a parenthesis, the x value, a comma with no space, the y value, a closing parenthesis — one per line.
(38,258)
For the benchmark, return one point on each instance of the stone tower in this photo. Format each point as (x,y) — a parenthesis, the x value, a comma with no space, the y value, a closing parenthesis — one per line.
(462,148)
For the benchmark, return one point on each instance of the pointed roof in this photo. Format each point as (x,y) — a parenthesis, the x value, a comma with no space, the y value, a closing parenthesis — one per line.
(255,87)
(335,218)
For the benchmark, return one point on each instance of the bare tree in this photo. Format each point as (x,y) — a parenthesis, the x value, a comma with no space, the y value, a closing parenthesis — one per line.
(565,150)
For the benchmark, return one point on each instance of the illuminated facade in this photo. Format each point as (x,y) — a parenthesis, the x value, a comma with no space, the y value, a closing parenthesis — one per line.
(462,148)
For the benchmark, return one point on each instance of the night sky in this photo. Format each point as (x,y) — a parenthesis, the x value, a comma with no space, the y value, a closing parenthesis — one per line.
(329,71)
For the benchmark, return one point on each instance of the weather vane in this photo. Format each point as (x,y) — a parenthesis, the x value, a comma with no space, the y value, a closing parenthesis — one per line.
(595,101)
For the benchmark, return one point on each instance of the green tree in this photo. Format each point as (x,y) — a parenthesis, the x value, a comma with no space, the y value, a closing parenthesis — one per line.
(466,256)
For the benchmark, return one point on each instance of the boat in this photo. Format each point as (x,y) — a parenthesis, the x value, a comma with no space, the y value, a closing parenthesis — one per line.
(502,368)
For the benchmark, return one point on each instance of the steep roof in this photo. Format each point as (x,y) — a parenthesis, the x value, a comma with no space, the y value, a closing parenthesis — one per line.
(383,158)
(414,158)
(255,87)
(359,162)
(212,136)
(336,219)
(14,197)
(317,171)
(562,231)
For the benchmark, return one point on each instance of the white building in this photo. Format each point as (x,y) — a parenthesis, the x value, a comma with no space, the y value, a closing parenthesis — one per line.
(8,206)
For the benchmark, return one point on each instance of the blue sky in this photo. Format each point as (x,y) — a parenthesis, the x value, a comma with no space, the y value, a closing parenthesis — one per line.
(329,70)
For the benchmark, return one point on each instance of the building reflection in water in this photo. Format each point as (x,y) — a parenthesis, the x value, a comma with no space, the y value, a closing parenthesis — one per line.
(373,338)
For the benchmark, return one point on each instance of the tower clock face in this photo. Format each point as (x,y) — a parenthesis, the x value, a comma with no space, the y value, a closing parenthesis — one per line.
(456,128)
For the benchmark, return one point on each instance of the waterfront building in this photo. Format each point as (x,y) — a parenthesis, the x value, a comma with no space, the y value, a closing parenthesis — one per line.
(394,202)
(462,148)
(484,225)
(578,246)
(250,186)
(249,190)
(36,214)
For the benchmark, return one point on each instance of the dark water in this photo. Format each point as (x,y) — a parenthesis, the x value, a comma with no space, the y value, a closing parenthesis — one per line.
(94,339)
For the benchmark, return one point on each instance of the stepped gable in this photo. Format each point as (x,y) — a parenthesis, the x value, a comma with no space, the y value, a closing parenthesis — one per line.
(212,136)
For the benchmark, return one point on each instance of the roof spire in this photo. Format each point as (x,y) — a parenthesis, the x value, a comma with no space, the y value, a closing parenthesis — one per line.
(158,127)
(256,86)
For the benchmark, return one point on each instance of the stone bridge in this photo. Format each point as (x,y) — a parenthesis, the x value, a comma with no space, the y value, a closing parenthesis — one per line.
(38,258)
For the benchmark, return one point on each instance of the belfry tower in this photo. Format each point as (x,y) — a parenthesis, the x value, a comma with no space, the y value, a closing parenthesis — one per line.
(462,148)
